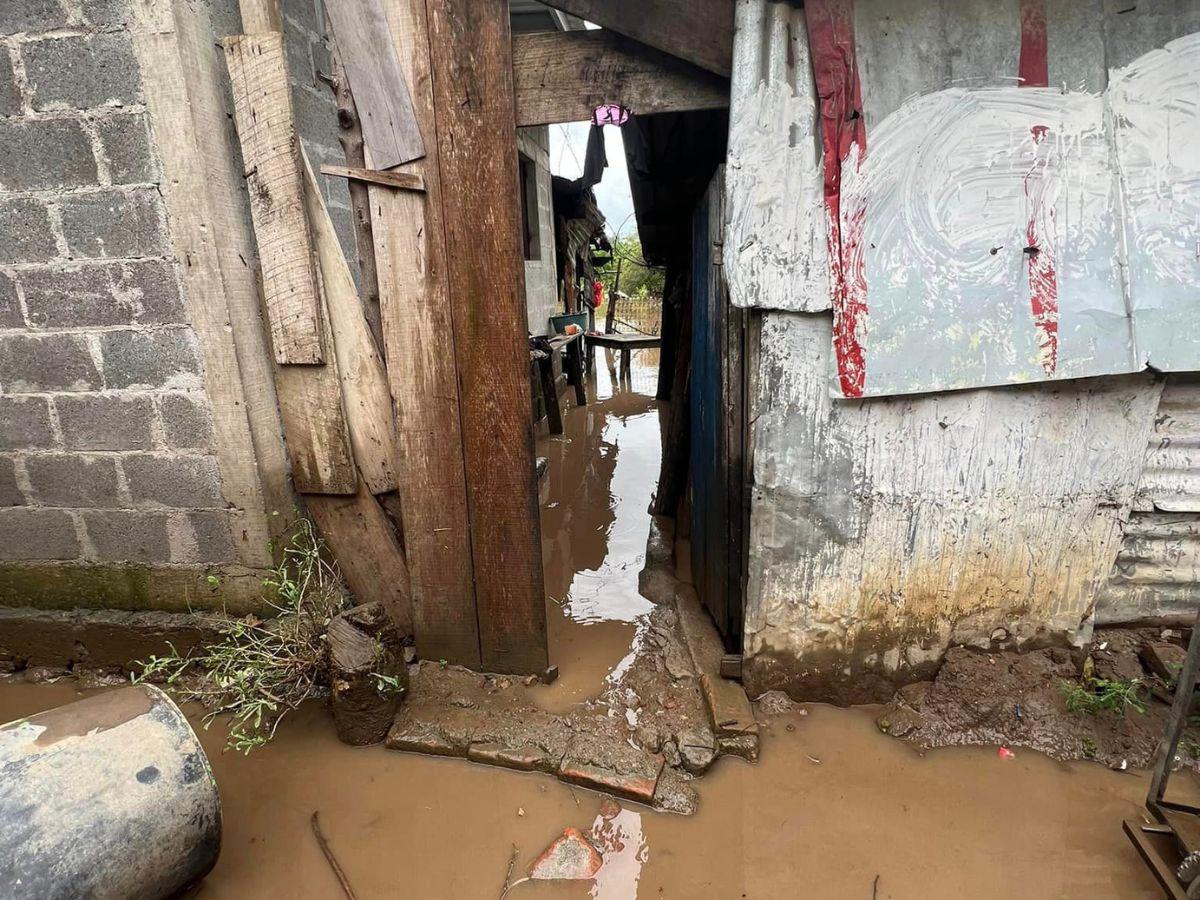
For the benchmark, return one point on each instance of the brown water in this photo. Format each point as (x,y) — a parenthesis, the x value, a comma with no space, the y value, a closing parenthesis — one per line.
(831,806)
(955,823)
(601,471)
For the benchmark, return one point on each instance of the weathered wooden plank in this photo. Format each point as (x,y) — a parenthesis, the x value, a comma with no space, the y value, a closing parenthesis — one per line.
(261,16)
(181,87)
(471,62)
(563,76)
(410,248)
(366,398)
(381,92)
(266,128)
(405,181)
(361,539)
(700,31)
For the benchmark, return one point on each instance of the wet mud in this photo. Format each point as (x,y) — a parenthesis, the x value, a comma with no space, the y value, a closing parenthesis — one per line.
(1020,699)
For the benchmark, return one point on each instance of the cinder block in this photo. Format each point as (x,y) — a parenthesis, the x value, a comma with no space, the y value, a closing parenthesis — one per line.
(45,155)
(10,492)
(25,424)
(151,288)
(27,533)
(10,306)
(125,141)
(51,362)
(116,223)
(82,71)
(213,541)
(70,297)
(23,16)
(25,232)
(73,480)
(10,94)
(187,421)
(107,12)
(122,535)
(106,422)
(181,482)
(166,358)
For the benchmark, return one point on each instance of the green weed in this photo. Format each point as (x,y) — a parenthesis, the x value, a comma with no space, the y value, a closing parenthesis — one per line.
(1093,695)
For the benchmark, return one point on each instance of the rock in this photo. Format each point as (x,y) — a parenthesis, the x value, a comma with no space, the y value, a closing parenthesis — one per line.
(670,753)
(743,745)
(570,858)
(649,738)
(367,672)
(1164,660)
(775,703)
(631,699)
(675,795)
(698,749)
(41,674)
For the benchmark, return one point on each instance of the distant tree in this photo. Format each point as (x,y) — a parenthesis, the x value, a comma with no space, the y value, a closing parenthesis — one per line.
(636,277)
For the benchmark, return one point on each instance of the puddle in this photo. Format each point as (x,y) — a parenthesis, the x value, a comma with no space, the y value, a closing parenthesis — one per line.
(601,475)
(953,823)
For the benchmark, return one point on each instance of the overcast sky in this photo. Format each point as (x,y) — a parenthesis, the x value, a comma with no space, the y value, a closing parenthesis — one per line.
(567,146)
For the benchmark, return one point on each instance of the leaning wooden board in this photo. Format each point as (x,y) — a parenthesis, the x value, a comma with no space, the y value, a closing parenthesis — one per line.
(266,129)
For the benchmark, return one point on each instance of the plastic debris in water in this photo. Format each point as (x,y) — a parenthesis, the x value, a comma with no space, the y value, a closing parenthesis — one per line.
(1005,753)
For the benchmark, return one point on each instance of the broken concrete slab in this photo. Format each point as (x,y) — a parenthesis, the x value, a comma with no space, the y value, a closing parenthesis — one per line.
(698,749)
(1163,659)
(614,768)
(728,706)
(570,858)
(674,794)
(416,736)
(525,758)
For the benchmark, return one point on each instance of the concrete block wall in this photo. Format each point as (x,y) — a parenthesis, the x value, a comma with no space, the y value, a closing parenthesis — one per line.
(106,433)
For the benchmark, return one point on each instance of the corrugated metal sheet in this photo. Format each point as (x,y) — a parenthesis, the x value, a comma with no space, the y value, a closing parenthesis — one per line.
(1157,571)
(884,531)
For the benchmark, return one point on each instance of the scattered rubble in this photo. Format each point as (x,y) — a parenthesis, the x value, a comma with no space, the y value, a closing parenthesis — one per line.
(1016,699)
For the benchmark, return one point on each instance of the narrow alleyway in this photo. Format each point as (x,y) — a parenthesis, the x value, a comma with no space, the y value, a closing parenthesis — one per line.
(834,809)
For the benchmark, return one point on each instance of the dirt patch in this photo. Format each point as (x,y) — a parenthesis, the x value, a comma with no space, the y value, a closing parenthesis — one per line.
(1015,699)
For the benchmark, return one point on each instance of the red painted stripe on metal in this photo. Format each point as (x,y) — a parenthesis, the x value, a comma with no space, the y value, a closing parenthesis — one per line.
(1034,67)
(835,70)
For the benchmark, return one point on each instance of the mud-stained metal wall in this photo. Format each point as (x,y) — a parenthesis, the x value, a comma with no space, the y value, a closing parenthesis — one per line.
(884,531)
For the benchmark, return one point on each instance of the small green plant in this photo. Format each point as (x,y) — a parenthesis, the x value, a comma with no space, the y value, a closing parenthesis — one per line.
(1093,695)
(260,671)
(388,684)
(1089,747)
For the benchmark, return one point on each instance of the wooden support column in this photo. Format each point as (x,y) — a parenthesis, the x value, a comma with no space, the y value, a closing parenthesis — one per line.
(419,336)
(451,279)
(475,114)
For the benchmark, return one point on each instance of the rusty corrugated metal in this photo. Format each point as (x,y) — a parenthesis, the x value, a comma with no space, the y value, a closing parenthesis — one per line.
(1157,572)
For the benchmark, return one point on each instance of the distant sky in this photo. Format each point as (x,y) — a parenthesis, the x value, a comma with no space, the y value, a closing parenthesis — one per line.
(567,146)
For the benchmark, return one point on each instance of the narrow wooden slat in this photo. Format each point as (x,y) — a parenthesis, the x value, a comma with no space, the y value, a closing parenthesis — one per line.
(563,76)
(266,129)
(471,62)
(700,31)
(366,398)
(405,181)
(380,89)
(410,248)
(261,16)
(361,539)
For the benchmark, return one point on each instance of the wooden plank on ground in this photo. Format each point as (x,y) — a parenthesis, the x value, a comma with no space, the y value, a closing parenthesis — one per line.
(366,397)
(380,88)
(361,539)
(562,76)
(700,31)
(410,248)
(471,62)
(270,152)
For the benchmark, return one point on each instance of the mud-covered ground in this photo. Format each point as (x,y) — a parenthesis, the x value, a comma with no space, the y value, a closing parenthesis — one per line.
(1017,699)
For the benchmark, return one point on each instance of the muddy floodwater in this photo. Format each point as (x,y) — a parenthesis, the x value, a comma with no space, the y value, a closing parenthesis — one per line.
(834,809)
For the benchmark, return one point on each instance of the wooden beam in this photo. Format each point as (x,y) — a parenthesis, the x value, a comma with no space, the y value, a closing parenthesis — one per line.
(380,90)
(366,398)
(418,329)
(563,76)
(700,31)
(471,63)
(405,181)
(361,539)
(266,128)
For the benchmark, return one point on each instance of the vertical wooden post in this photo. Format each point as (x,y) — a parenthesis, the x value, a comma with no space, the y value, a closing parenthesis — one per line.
(475,115)
(420,336)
